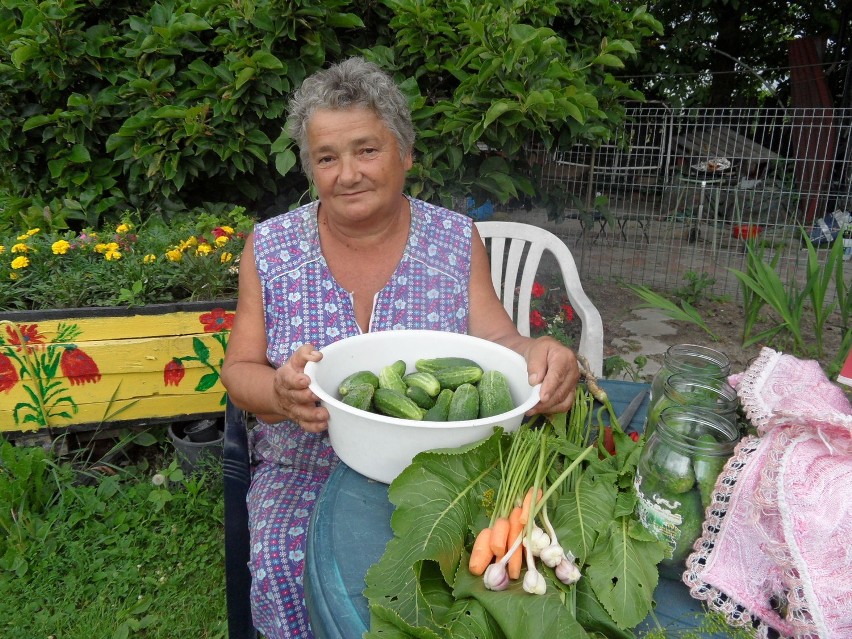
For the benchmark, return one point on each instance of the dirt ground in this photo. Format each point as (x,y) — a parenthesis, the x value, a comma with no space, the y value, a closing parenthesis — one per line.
(619,306)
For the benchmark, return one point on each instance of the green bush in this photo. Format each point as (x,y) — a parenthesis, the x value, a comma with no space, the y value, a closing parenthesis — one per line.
(159,107)
(150,106)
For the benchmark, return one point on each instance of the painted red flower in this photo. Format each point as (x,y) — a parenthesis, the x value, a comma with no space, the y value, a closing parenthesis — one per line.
(568,312)
(28,331)
(78,367)
(173,372)
(8,374)
(536,320)
(217,320)
(538,289)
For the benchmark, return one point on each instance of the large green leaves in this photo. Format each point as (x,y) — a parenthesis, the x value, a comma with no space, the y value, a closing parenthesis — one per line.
(421,586)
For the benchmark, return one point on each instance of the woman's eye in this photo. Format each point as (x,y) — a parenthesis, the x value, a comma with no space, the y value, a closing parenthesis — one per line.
(369,151)
(324,159)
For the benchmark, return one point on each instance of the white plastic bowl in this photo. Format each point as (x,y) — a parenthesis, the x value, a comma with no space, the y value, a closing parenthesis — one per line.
(380,447)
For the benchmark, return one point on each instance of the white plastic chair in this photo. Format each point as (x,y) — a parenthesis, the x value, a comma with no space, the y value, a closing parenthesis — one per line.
(514,247)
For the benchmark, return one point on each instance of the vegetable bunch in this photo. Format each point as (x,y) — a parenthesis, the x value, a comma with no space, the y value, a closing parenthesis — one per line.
(580,518)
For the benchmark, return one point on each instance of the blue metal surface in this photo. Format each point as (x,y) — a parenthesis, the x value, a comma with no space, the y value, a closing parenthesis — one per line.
(351,526)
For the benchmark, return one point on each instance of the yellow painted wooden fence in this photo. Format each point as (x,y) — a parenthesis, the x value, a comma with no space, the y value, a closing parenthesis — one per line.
(84,367)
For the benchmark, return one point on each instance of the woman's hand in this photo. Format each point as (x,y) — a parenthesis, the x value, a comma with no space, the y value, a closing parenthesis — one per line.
(295,400)
(555,366)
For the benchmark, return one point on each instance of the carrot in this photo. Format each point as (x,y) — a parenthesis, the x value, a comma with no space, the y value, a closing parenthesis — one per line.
(500,537)
(527,505)
(480,554)
(515,528)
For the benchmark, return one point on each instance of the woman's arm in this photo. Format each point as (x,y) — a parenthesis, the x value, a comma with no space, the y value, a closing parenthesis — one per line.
(252,383)
(548,361)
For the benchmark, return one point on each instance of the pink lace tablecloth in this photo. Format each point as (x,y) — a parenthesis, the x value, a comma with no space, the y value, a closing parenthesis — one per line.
(776,549)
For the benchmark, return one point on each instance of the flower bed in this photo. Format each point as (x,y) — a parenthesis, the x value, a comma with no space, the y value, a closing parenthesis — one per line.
(126,323)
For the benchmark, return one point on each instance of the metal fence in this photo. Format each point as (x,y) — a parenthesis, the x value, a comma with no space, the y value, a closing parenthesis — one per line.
(680,191)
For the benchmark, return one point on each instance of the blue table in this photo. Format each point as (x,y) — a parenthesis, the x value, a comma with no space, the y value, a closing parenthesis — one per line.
(351,526)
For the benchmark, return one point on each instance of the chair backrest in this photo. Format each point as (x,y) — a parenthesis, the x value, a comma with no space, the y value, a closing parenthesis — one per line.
(516,249)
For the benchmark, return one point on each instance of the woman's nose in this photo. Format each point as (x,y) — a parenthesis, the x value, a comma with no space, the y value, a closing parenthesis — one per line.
(349,173)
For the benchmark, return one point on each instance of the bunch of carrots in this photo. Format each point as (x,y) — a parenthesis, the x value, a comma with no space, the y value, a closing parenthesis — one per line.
(513,533)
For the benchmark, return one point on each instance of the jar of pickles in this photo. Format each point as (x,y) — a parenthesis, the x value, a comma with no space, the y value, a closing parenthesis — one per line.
(676,475)
(699,361)
(685,389)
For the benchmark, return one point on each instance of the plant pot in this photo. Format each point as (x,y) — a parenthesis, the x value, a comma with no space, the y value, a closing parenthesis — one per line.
(157,363)
(192,454)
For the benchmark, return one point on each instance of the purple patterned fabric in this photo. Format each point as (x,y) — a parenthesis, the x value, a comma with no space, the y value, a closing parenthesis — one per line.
(304,304)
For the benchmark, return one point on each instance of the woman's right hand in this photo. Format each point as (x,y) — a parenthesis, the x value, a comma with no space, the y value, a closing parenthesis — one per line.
(295,400)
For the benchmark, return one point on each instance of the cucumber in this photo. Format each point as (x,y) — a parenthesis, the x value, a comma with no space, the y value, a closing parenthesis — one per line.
(359,377)
(430,365)
(420,397)
(389,378)
(464,404)
(441,409)
(399,367)
(395,404)
(427,381)
(360,396)
(494,395)
(454,377)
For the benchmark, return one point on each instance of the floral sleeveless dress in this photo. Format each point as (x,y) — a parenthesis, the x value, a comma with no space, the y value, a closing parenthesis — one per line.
(304,304)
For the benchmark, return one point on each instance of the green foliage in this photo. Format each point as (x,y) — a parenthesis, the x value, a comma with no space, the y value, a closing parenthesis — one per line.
(110,555)
(788,303)
(615,367)
(156,106)
(686,312)
(487,78)
(696,289)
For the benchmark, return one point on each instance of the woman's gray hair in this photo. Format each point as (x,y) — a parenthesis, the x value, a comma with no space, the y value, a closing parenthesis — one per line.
(353,83)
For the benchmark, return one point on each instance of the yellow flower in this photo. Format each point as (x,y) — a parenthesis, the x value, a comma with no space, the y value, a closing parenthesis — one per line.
(60,247)
(20,262)
(123,228)
(188,243)
(32,232)
(20,248)
(106,247)
(112,255)
(2,249)
(175,255)
(221,241)
(204,249)
(13,276)
(149,259)
(226,257)
(227,229)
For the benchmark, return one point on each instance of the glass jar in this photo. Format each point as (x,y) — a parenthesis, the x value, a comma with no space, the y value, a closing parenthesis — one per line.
(692,359)
(686,389)
(676,474)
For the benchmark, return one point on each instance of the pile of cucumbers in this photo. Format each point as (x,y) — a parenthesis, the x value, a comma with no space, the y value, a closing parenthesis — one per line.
(440,389)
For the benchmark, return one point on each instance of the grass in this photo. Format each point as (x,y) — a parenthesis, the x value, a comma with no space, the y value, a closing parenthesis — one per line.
(119,552)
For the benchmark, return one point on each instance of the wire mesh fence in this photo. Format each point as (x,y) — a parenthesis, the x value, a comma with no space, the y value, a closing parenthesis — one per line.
(676,192)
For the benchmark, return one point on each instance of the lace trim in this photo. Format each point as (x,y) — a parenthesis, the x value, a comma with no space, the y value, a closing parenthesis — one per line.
(750,385)
(715,599)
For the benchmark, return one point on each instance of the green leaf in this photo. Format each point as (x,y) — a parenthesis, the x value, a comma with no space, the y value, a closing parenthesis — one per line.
(582,513)
(497,109)
(623,572)
(207,382)
(608,60)
(520,614)
(437,499)
(202,352)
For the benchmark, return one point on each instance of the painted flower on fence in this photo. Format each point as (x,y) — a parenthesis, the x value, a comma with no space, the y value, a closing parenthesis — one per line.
(219,322)
(551,314)
(27,359)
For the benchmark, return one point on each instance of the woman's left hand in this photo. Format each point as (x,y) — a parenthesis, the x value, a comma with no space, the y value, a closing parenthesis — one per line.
(555,366)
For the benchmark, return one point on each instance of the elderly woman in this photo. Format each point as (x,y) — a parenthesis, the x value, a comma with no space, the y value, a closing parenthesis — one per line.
(363,257)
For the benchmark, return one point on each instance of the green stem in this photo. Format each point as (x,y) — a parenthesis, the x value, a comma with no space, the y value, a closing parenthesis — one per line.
(555,485)
(31,370)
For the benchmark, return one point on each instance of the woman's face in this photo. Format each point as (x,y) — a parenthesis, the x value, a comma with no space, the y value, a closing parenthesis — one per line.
(357,169)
